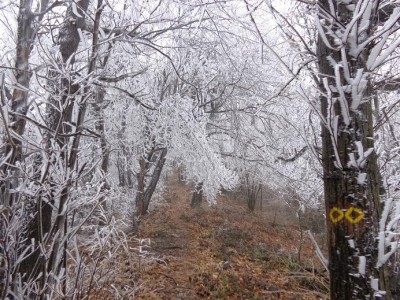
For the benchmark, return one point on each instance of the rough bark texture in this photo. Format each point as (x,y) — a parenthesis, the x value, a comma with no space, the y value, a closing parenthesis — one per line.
(353,209)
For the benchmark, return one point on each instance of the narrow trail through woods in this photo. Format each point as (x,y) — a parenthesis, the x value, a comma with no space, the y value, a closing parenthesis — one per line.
(222,252)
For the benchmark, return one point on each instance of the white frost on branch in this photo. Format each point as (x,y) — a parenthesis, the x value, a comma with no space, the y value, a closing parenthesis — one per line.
(388,242)
(342,97)
(378,54)
(362,264)
(361,178)
(358,86)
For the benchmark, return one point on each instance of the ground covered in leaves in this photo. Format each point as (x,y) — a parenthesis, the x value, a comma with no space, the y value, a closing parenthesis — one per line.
(213,252)
(222,252)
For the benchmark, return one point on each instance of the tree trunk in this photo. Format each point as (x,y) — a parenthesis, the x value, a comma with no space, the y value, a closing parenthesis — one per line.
(105,152)
(155,177)
(351,174)
(69,39)
(252,193)
(197,195)
(11,152)
(141,185)
(36,208)
(145,190)
(125,173)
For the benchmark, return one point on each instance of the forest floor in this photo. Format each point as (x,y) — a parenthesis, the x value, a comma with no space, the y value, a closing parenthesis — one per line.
(220,252)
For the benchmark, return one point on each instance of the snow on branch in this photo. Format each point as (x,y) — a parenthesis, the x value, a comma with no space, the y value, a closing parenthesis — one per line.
(295,156)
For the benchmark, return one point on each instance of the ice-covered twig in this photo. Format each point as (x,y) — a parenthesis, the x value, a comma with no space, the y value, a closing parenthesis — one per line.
(318,251)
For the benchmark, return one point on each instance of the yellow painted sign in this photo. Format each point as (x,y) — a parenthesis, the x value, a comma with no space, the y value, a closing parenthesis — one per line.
(336,214)
(353,215)
(359,215)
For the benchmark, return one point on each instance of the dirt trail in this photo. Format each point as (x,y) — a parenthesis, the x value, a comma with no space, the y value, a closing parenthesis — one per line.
(223,252)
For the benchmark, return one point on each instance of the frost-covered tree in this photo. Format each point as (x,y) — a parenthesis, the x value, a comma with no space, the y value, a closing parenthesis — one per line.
(45,122)
(357,39)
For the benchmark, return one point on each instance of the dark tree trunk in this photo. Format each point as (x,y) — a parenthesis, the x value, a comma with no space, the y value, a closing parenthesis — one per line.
(252,193)
(141,186)
(197,195)
(155,177)
(11,152)
(181,174)
(353,206)
(145,190)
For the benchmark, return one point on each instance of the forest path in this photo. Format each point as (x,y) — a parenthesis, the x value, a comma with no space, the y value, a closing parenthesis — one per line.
(222,252)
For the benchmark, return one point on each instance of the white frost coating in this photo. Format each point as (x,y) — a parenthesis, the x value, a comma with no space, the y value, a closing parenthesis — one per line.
(74,10)
(332,122)
(356,92)
(361,178)
(393,223)
(382,256)
(376,50)
(362,156)
(388,51)
(365,20)
(360,148)
(361,264)
(350,7)
(375,284)
(331,61)
(321,32)
(363,161)
(346,70)
(342,98)
(373,60)
(102,33)
(380,34)
(352,25)
(83,38)
(318,251)
(45,163)
(352,161)
(335,128)
(327,89)
(385,214)
(338,163)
